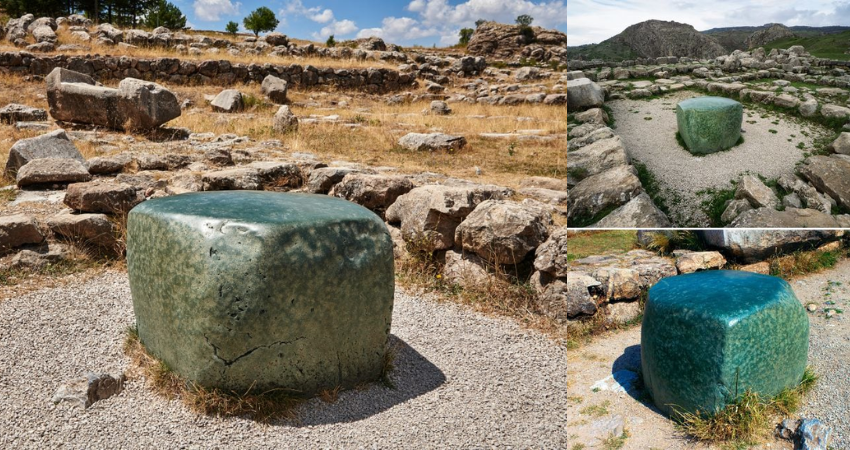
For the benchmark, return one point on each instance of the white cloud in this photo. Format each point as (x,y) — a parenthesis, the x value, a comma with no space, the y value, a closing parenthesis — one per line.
(395,29)
(592,21)
(322,17)
(213,10)
(336,28)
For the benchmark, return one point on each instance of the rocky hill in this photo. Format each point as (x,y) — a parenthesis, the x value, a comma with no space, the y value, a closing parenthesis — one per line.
(502,41)
(652,39)
(774,32)
(738,38)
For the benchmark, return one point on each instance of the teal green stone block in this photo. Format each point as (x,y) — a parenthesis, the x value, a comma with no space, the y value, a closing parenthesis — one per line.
(709,124)
(709,336)
(246,289)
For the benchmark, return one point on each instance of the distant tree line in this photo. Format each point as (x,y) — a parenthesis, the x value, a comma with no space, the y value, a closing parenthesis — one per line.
(123,13)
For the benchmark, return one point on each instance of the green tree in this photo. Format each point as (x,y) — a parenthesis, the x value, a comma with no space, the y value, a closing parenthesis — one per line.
(524,20)
(164,14)
(261,20)
(331,42)
(232,27)
(465,36)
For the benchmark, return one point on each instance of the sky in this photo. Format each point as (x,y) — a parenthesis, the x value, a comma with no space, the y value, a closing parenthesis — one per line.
(593,21)
(404,22)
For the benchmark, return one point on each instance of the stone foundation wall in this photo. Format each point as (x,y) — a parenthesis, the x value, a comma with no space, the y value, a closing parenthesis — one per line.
(218,72)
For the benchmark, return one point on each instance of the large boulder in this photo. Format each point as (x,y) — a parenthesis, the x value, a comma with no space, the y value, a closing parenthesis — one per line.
(52,170)
(55,144)
(268,290)
(830,175)
(709,124)
(502,231)
(598,157)
(136,104)
(431,142)
(13,113)
(583,93)
(44,33)
(429,215)
(551,256)
(754,245)
(275,89)
(750,188)
(639,212)
(604,191)
(94,229)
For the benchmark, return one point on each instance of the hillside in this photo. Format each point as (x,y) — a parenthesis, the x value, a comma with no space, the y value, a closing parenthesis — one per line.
(652,39)
(832,46)
(735,38)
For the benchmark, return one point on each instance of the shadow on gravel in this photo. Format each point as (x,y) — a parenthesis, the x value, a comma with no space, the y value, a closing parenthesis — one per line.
(413,376)
(626,372)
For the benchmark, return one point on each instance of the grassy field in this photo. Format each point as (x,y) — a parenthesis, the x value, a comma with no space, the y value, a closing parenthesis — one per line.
(583,244)
(832,46)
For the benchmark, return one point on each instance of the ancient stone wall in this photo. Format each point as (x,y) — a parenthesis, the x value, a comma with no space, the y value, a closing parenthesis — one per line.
(218,72)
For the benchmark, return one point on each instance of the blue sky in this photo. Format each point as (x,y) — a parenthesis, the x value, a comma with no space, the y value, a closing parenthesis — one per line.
(593,21)
(405,22)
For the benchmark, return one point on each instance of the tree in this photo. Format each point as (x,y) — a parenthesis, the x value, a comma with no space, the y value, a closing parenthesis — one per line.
(261,20)
(331,42)
(164,14)
(232,27)
(465,36)
(480,22)
(524,20)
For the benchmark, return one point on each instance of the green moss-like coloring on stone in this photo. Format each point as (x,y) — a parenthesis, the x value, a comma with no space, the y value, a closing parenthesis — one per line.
(709,124)
(709,336)
(234,289)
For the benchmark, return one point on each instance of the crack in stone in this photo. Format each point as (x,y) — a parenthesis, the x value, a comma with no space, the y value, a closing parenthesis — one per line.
(229,363)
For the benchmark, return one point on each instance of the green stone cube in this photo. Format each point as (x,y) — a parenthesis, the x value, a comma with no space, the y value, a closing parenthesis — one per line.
(709,124)
(709,336)
(246,289)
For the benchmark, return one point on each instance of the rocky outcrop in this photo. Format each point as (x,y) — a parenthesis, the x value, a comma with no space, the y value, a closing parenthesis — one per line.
(136,104)
(509,42)
(657,38)
(503,232)
(763,37)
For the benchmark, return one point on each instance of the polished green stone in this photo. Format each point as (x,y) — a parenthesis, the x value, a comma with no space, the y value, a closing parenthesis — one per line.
(271,290)
(708,336)
(709,124)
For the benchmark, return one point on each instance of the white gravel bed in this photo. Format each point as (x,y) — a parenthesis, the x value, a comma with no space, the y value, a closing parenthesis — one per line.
(682,175)
(462,380)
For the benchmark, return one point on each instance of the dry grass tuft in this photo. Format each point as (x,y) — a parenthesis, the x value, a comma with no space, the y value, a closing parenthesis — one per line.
(748,419)
(805,262)
(261,406)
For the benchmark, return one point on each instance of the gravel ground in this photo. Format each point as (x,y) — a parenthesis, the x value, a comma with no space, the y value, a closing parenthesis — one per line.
(682,175)
(462,380)
(829,355)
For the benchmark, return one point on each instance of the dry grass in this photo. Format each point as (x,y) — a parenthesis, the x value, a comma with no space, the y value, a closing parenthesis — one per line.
(504,294)
(64,37)
(749,419)
(262,406)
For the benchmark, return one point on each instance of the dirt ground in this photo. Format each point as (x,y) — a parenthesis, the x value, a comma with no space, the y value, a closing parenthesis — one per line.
(591,400)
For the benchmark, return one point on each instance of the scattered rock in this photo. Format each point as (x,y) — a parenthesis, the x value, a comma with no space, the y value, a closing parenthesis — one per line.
(52,170)
(594,194)
(691,262)
(17,230)
(55,144)
(232,179)
(87,390)
(228,101)
(275,89)
(814,435)
(13,113)
(102,196)
(93,229)
(375,192)
(432,142)
(583,93)
(285,121)
(465,269)
(754,191)
(639,212)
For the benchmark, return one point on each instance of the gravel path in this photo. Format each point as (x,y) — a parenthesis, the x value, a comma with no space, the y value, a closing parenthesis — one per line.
(463,380)
(682,175)
(829,355)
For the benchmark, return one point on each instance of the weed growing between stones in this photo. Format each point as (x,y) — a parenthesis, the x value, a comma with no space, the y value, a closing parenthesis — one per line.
(748,419)
(615,442)
(805,262)
(651,186)
(715,203)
